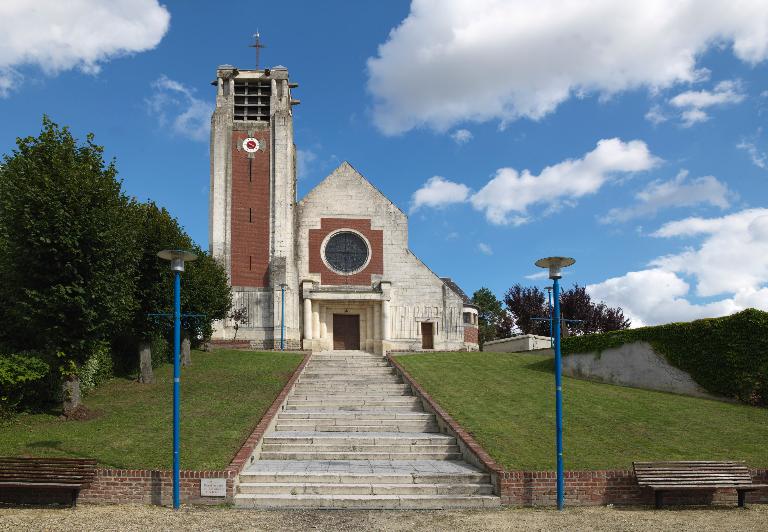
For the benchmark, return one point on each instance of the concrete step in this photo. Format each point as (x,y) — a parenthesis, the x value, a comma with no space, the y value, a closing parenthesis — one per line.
(351,473)
(316,373)
(367,502)
(353,455)
(349,363)
(318,488)
(390,426)
(322,438)
(388,389)
(354,408)
(350,380)
(356,399)
(346,395)
(358,416)
(353,447)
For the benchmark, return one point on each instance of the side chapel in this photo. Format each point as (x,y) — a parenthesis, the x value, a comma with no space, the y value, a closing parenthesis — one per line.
(332,271)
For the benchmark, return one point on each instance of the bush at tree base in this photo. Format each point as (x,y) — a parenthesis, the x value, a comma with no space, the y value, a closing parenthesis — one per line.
(727,356)
(22,377)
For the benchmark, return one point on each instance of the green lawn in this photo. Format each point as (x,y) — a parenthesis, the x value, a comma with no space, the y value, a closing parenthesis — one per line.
(507,402)
(223,396)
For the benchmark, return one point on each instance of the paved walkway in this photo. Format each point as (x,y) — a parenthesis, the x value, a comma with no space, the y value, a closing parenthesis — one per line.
(88,518)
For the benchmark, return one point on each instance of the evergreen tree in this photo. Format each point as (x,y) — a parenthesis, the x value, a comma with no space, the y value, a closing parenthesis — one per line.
(68,248)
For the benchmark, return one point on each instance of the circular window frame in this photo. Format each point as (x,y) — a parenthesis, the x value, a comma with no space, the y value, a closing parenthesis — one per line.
(345,230)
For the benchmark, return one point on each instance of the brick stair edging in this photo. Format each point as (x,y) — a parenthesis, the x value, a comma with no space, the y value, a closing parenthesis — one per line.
(239,461)
(470,449)
(582,488)
(155,486)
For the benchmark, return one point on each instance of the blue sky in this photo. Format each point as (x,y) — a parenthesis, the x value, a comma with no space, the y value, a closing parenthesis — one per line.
(629,136)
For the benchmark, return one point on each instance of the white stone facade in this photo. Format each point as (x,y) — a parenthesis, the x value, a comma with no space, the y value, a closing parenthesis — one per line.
(401,307)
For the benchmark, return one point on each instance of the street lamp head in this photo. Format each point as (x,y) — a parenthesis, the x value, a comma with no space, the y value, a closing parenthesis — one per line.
(177,257)
(555,265)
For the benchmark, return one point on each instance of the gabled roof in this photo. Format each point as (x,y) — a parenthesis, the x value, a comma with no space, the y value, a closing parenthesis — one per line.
(347,171)
(450,283)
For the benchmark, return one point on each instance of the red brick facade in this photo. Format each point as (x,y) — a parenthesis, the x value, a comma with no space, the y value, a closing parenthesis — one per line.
(582,488)
(470,334)
(250,212)
(327,276)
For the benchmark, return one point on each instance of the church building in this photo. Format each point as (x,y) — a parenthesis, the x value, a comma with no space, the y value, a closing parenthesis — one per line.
(332,271)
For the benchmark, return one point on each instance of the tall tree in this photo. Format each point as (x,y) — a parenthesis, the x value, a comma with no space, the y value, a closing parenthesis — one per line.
(205,288)
(576,304)
(492,320)
(67,248)
(524,304)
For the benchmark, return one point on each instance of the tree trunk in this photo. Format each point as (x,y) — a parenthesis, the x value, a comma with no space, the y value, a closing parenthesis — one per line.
(186,345)
(70,393)
(145,363)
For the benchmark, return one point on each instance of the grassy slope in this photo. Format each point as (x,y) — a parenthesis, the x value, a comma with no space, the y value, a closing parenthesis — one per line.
(507,402)
(223,395)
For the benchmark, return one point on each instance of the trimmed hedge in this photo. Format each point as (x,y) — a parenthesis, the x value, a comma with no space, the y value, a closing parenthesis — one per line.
(727,356)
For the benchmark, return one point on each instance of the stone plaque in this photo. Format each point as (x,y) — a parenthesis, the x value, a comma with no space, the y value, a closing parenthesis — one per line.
(213,487)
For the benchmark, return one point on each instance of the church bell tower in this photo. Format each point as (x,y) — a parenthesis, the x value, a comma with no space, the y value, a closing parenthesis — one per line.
(252,202)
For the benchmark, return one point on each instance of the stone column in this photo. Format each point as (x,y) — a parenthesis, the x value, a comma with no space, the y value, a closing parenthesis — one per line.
(376,321)
(385,320)
(307,318)
(369,323)
(316,319)
(323,322)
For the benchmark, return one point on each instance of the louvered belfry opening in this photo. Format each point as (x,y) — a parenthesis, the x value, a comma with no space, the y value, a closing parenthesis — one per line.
(252,99)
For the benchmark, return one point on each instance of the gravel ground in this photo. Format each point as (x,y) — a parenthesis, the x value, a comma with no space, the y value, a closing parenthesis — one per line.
(91,518)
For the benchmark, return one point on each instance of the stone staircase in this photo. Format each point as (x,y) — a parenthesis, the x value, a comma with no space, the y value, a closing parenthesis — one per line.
(352,436)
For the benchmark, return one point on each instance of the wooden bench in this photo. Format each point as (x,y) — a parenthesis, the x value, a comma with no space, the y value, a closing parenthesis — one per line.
(70,474)
(662,477)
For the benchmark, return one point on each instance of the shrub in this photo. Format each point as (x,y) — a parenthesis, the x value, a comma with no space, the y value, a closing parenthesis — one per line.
(727,356)
(97,369)
(161,350)
(21,376)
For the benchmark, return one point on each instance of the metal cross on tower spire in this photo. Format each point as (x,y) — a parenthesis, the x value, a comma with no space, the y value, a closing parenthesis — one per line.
(257,44)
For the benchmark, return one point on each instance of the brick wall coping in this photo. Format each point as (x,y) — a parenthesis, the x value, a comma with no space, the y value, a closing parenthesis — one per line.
(146,473)
(250,443)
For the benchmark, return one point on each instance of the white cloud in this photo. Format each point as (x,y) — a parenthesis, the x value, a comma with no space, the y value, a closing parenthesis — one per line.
(479,60)
(176,105)
(758,156)
(729,263)
(507,197)
(439,192)
(655,115)
(461,136)
(304,158)
(484,248)
(677,192)
(733,256)
(693,103)
(57,36)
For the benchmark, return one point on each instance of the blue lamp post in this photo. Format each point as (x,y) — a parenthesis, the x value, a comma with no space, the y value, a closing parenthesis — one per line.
(555,266)
(178,258)
(282,316)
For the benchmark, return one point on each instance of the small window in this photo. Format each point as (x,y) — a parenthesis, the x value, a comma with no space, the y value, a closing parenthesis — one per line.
(468,318)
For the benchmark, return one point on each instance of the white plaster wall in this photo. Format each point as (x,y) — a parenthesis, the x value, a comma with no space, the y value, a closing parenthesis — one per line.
(524,342)
(636,365)
(417,293)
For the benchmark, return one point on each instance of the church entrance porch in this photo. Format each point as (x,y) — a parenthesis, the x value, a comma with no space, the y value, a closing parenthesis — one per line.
(346,332)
